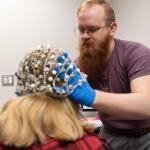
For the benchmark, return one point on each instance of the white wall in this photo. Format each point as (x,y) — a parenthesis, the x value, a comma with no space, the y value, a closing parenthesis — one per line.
(133,20)
(25,24)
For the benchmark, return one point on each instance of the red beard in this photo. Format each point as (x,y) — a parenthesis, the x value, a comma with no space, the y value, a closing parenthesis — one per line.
(93,60)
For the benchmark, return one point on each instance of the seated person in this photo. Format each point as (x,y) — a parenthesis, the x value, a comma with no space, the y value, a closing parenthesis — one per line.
(42,116)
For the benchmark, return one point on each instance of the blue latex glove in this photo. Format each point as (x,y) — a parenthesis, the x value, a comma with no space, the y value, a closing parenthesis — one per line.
(82,93)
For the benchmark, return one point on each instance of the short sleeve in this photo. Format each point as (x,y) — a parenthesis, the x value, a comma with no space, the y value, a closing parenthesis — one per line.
(137,61)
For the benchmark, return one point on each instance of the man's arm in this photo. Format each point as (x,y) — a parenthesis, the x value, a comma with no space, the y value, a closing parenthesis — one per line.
(135,105)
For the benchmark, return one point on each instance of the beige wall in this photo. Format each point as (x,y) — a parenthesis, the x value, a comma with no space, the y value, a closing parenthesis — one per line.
(133,20)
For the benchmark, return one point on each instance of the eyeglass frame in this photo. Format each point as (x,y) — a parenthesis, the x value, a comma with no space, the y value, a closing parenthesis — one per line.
(89,30)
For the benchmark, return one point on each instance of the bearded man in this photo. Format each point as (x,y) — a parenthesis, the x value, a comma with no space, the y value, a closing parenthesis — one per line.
(118,83)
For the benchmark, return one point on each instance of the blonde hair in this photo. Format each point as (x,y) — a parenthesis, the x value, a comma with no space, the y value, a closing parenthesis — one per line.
(109,12)
(29,119)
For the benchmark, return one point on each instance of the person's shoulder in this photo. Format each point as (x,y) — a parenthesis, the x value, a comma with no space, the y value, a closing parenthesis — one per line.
(127,44)
(131,48)
(89,141)
(1,146)
(95,142)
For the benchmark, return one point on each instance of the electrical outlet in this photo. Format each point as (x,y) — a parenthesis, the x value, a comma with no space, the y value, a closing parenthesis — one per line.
(7,80)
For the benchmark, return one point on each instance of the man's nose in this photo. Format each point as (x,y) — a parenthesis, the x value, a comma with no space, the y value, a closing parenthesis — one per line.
(85,35)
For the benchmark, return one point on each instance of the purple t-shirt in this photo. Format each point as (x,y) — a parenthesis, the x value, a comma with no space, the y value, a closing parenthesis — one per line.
(128,61)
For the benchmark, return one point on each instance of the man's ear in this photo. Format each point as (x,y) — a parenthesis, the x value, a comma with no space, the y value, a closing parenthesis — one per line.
(113,28)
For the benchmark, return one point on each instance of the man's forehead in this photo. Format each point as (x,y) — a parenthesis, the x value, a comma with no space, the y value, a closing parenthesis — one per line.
(93,14)
(92,10)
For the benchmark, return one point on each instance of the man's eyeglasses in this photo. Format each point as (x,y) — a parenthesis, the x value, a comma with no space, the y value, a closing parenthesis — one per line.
(88,30)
